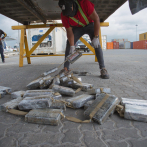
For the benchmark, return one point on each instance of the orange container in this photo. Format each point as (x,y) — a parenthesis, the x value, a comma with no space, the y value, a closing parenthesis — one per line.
(109,45)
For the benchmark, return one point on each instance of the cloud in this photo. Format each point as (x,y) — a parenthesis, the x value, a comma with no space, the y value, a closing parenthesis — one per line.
(122,24)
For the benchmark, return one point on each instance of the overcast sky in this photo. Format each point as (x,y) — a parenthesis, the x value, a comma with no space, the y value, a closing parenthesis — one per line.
(122,24)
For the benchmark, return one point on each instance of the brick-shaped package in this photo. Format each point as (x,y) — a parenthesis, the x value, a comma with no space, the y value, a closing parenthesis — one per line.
(34,104)
(79,101)
(64,90)
(44,116)
(135,112)
(17,94)
(102,107)
(13,104)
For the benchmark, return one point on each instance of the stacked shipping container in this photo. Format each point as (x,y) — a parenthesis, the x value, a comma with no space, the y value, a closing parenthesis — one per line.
(140,44)
(109,45)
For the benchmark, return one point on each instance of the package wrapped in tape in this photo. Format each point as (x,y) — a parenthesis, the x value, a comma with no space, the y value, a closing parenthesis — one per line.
(35,84)
(84,86)
(56,97)
(44,116)
(76,72)
(87,104)
(64,79)
(31,93)
(83,73)
(101,108)
(63,90)
(34,104)
(135,112)
(13,104)
(2,94)
(55,81)
(67,83)
(58,105)
(6,90)
(79,101)
(49,72)
(125,101)
(17,94)
(97,91)
(73,57)
(46,82)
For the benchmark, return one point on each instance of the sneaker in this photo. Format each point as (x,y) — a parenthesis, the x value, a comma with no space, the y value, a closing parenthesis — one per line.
(104,74)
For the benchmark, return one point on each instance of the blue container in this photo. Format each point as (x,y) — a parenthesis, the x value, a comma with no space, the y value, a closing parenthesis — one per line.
(131,45)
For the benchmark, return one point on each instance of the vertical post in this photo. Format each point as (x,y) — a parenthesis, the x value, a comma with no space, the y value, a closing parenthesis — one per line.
(21,48)
(100,39)
(27,48)
(136,32)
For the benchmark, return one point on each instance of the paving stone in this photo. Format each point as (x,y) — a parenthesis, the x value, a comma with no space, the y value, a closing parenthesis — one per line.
(24,128)
(117,144)
(8,118)
(2,129)
(142,127)
(46,145)
(69,145)
(108,124)
(120,134)
(8,142)
(91,139)
(120,122)
(40,138)
(87,126)
(49,128)
(72,135)
(138,143)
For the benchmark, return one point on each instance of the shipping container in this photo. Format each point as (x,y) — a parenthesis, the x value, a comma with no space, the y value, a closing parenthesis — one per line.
(131,45)
(127,45)
(54,43)
(121,45)
(109,45)
(119,40)
(104,42)
(115,45)
(140,44)
(143,36)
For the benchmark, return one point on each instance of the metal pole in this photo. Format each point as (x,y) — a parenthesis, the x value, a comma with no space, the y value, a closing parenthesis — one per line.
(136,32)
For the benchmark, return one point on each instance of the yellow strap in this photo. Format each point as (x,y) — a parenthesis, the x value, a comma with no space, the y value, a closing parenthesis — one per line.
(98,106)
(76,79)
(17,112)
(78,90)
(101,89)
(73,119)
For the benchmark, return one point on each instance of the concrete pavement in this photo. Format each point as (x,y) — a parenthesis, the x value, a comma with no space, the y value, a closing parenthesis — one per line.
(128,78)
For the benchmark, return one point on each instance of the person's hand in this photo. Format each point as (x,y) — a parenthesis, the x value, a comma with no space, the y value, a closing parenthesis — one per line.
(0,39)
(72,49)
(95,42)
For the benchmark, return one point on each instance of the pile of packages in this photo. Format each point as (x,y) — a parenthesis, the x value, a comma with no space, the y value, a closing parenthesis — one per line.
(45,100)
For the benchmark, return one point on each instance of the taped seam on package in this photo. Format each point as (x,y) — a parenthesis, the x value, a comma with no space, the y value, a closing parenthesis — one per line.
(78,90)
(73,119)
(120,110)
(98,106)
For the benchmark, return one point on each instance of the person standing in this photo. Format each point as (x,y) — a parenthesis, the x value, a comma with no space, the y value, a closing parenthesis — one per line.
(79,17)
(1,46)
